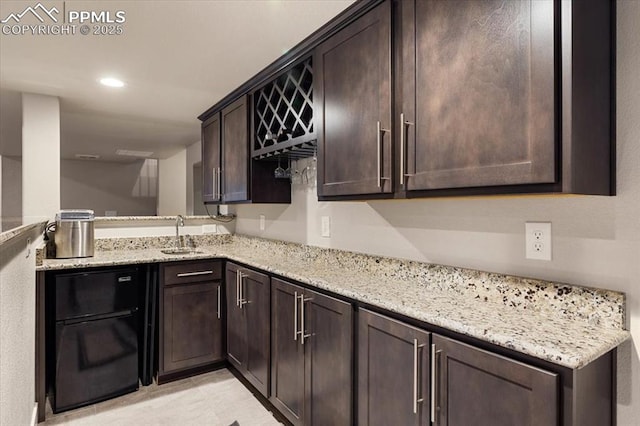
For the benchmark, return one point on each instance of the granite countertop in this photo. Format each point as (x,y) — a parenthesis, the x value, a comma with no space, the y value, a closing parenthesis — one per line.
(564,324)
(18,231)
(106,219)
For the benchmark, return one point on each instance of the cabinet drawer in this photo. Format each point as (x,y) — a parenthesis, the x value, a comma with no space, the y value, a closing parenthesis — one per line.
(189,272)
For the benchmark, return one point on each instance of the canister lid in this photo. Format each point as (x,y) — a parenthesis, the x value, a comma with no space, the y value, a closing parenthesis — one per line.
(67,215)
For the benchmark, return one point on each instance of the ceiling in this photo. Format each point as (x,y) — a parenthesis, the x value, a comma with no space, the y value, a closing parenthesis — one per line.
(177,58)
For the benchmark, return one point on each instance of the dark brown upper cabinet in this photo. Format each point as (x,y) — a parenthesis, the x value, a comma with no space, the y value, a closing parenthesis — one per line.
(352,107)
(235,151)
(422,98)
(477,94)
(229,174)
(211,170)
(503,97)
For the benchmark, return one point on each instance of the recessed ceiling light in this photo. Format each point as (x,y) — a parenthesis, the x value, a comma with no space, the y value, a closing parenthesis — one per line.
(111,82)
(131,153)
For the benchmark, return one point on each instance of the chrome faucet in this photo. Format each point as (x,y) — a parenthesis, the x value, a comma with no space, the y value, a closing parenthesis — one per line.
(179,222)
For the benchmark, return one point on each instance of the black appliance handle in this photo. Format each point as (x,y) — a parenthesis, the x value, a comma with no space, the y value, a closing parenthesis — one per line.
(88,318)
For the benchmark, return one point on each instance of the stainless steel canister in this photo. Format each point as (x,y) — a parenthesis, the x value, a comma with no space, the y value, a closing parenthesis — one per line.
(74,233)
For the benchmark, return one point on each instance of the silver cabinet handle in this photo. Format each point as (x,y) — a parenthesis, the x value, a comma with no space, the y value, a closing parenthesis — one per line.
(237,287)
(218,301)
(379,131)
(295,315)
(302,320)
(213,182)
(416,367)
(378,149)
(434,382)
(403,141)
(241,300)
(219,182)
(193,274)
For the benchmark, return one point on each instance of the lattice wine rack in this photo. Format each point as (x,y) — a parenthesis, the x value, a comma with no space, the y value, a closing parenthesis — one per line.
(283,115)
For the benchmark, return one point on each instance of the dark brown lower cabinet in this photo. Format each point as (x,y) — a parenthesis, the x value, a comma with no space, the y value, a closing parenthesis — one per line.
(312,342)
(476,387)
(248,330)
(190,316)
(402,379)
(393,372)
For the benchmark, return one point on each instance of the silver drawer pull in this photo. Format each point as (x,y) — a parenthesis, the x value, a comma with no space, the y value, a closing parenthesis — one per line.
(416,375)
(379,131)
(295,315)
(124,279)
(193,274)
(435,353)
(403,123)
(241,300)
(218,291)
(302,319)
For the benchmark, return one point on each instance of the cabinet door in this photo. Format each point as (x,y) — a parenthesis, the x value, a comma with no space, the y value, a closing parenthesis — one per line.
(352,107)
(478,93)
(255,301)
(329,360)
(287,365)
(393,372)
(480,388)
(211,159)
(235,151)
(236,323)
(192,329)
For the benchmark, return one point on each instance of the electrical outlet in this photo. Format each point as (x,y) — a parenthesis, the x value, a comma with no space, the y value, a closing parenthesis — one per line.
(538,240)
(262,222)
(326,226)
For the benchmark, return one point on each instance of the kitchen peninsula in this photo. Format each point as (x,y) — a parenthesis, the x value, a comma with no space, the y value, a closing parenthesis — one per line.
(570,330)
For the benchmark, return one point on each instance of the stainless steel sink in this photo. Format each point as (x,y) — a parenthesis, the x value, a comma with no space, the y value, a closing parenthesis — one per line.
(180,250)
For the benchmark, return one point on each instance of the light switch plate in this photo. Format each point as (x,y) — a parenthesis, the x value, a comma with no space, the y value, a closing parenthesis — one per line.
(538,240)
(326,226)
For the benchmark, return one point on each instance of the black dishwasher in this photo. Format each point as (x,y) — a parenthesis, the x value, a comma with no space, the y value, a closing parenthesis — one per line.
(96,336)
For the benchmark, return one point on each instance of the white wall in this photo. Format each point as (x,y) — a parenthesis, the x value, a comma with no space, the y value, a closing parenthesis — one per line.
(172,185)
(194,156)
(40,157)
(17,330)
(130,189)
(11,183)
(159,227)
(596,240)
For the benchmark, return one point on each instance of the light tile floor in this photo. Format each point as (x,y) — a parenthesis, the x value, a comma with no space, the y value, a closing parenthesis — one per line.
(216,398)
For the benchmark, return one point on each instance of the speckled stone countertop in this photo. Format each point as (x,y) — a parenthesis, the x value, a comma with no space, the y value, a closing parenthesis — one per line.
(107,219)
(9,235)
(564,324)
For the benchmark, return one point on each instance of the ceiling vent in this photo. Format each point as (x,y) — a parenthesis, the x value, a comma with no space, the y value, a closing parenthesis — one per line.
(87,156)
(129,153)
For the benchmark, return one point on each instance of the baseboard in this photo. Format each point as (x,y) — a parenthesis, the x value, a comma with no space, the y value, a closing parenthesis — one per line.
(34,415)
